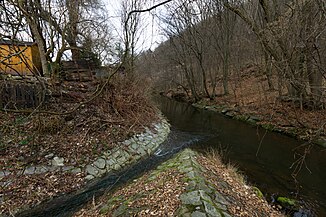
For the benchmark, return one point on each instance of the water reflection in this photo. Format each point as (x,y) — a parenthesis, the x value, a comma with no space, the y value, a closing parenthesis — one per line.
(270,169)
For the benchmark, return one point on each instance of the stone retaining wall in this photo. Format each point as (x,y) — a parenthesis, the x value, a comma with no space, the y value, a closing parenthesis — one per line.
(200,199)
(129,151)
(126,153)
(258,121)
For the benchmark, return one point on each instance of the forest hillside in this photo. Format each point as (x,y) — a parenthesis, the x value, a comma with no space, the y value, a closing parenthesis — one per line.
(259,58)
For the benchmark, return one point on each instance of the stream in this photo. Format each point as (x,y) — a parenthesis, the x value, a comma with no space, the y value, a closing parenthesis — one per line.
(206,130)
(271,169)
(67,205)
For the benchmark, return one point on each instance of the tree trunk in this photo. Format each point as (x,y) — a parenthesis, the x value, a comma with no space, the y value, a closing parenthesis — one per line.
(314,76)
(226,73)
(268,70)
(40,45)
(191,83)
(315,79)
(204,80)
(73,14)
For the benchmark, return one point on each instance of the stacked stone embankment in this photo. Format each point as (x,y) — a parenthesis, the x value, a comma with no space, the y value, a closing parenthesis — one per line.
(129,151)
(200,198)
(124,154)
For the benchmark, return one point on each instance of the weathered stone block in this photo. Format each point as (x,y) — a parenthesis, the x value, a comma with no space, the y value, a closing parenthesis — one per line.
(67,168)
(134,146)
(220,199)
(76,170)
(110,162)
(211,210)
(116,167)
(116,154)
(204,195)
(41,169)
(198,214)
(100,163)
(127,142)
(92,170)
(89,177)
(121,160)
(191,198)
(57,162)
(29,170)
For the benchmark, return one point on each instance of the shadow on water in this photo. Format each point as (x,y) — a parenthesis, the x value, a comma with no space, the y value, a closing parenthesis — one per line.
(68,204)
(270,169)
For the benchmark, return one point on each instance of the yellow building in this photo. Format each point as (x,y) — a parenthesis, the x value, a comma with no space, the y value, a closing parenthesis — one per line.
(19,58)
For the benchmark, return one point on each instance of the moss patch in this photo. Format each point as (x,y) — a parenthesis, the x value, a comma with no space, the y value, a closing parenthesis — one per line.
(286,202)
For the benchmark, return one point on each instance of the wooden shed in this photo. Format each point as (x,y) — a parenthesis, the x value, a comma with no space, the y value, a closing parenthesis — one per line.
(19,58)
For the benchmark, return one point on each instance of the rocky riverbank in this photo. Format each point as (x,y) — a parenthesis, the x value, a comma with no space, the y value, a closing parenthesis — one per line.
(74,136)
(124,154)
(310,134)
(190,184)
(129,151)
(251,100)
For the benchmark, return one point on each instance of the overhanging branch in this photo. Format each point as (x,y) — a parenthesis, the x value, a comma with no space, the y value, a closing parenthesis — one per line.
(127,20)
(147,9)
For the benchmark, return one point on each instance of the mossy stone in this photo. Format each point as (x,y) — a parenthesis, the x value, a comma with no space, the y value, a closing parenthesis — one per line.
(211,210)
(258,192)
(182,211)
(286,202)
(251,121)
(121,211)
(269,127)
(321,142)
(191,198)
(241,117)
(198,214)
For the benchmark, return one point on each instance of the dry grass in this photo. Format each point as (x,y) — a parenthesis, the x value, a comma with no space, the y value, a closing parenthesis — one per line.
(245,202)
(157,197)
(121,110)
(217,157)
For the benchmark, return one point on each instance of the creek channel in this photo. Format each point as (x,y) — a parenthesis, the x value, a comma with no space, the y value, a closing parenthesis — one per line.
(68,204)
(206,130)
(270,169)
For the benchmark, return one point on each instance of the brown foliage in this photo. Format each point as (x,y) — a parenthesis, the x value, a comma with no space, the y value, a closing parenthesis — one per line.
(120,110)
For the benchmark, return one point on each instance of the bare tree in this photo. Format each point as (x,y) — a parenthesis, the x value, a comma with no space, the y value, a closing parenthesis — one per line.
(12,22)
(224,21)
(30,14)
(59,26)
(187,25)
(74,11)
(131,24)
(289,34)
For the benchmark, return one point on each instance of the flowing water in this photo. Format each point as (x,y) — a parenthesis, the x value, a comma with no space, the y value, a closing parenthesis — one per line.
(268,168)
(67,205)
(264,157)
